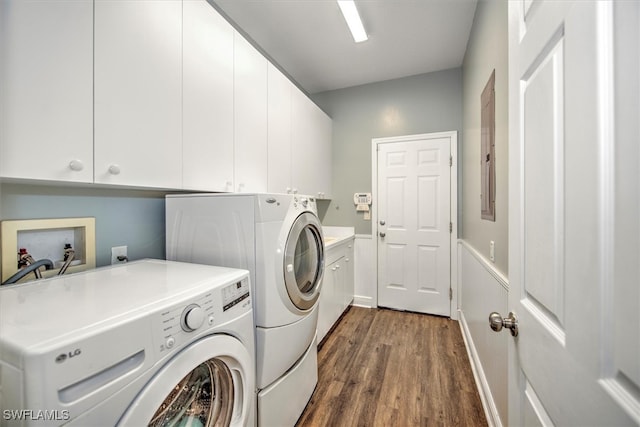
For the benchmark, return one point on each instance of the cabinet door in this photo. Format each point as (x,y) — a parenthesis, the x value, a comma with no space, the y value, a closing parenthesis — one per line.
(311,147)
(339,290)
(323,128)
(349,274)
(46,82)
(250,117)
(207,83)
(301,145)
(279,131)
(138,92)
(326,308)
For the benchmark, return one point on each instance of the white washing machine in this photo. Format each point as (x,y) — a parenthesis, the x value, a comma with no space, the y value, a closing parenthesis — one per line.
(144,343)
(278,238)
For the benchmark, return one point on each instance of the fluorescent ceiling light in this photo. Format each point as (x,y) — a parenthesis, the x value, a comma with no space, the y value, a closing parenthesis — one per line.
(348,8)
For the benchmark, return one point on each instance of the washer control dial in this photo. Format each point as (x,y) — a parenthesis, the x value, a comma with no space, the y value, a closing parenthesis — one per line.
(192,318)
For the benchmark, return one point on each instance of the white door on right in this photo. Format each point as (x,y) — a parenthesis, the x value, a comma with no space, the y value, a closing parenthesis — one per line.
(414,217)
(574,213)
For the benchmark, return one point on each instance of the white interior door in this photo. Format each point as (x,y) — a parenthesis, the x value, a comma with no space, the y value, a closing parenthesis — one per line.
(413,223)
(574,228)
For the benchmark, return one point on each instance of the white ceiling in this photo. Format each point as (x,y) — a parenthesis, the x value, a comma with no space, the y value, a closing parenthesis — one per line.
(310,41)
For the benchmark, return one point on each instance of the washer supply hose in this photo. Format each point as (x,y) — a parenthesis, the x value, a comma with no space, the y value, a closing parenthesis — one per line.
(26,260)
(69,255)
(47,263)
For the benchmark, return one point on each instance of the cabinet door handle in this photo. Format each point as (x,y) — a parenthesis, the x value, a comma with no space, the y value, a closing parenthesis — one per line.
(114,169)
(346,260)
(76,165)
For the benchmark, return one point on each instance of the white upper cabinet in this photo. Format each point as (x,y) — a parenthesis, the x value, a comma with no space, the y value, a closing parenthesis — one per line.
(322,131)
(46,82)
(279,113)
(207,143)
(155,93)
(250,118)
(311,147)
(299,141)
(138,93)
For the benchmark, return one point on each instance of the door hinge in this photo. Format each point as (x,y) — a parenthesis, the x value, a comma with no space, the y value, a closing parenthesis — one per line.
(450,294)
(450,227)
(450,161)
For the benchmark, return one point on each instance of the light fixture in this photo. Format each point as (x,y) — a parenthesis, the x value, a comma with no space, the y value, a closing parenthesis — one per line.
(348,8)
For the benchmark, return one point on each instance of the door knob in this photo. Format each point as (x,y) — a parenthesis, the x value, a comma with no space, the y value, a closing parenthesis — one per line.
(510,322)
(382,234)
(382,222)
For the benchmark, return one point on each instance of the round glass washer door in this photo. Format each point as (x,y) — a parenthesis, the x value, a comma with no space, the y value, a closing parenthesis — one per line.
(203,398)
(209,383)
(304,261)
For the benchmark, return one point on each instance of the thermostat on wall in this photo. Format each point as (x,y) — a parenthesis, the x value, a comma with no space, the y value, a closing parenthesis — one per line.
(362,202)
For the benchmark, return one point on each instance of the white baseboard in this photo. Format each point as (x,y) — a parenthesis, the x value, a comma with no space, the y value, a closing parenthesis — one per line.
(363,301)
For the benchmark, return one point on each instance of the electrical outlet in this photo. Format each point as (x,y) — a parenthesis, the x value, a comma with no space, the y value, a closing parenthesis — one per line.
(118,254)
(492,251)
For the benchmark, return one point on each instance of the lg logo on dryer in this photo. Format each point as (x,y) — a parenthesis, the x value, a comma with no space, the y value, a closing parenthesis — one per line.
(64,356)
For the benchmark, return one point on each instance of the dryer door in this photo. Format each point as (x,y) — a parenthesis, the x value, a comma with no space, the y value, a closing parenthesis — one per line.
(209,383)
(304,261)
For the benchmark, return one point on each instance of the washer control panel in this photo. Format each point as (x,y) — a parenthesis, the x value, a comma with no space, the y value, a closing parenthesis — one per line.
(178,324)
(234,294)
(303,202)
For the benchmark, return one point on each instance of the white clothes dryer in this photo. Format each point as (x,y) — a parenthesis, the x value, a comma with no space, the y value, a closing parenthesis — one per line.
(143,343)
(278,238)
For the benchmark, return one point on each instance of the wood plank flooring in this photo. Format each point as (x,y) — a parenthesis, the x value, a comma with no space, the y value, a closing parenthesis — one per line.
(382,367)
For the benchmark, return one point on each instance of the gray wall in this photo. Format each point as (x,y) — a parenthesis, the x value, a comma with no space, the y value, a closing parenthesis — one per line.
(123,217)
(418,104)
(486,51)
(483,284)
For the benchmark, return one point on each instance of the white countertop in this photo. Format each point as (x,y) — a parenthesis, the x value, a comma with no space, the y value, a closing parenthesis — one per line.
(335,235)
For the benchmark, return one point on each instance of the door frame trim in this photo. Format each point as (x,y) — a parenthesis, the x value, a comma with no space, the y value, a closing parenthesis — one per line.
(453,191)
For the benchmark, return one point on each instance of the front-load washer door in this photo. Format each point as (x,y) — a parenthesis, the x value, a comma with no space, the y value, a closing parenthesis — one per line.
(210,383)
(204,397)
(304,261)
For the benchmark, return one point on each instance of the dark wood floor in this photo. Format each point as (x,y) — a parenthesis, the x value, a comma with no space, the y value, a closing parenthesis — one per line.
(382,367)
